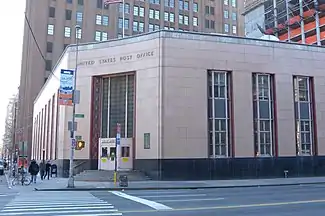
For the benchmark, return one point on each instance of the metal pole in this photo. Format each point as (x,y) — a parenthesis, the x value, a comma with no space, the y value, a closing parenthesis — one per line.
(71,178)
(302,21)
(288,20)
(317,22)
(123,18)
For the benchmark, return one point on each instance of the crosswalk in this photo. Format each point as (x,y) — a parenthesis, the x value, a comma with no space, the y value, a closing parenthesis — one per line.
(58,204)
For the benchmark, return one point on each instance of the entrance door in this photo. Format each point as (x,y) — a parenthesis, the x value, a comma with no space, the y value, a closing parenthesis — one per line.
(107,155)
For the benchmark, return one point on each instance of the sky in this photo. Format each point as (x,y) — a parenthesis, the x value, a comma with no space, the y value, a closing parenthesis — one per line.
(11,39)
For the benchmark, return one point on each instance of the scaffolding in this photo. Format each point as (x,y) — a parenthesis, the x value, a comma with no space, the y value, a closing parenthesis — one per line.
(301,21)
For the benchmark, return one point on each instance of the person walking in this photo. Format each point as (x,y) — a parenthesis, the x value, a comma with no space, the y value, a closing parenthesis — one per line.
(33,170)
(47,170)
(42,169)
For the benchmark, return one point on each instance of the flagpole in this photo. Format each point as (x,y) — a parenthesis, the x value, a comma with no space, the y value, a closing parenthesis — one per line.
(123,19)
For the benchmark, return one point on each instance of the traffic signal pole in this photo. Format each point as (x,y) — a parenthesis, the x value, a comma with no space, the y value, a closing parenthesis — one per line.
(71,178)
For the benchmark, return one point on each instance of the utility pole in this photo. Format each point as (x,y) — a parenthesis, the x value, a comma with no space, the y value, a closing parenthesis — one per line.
(71,177)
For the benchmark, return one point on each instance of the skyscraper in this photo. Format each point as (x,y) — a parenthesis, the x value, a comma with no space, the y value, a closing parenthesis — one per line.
(49,28)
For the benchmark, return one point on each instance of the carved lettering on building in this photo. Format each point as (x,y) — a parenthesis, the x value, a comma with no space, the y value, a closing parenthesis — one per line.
(117,59)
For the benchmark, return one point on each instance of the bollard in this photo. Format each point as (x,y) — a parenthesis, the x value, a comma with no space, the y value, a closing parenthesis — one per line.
(286,173)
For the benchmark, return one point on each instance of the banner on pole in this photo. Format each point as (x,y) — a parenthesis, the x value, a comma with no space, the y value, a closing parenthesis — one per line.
(107,2)
(66,87)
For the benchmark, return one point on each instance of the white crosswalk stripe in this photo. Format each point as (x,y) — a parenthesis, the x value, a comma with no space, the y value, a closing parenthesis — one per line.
(59,203)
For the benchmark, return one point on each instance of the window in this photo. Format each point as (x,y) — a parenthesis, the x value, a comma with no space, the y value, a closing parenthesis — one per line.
(304,122)
(195,7)
(157,27)
(52,12)
(98,19)
(151,27)
(166,16)
(136,11)
(141,12)
(171,17)
(195,21)
(225,14)
(219,114)
(233,3)
(49,47)
(80,2)
(154,1)
(135,26)
(68,14)
(78,33)
(226,27)
(50,29)
(69,1)
(225,2)
(185,20)
(105,20)
(263,114)
(104,36)
(141,27)
(126,23)
(181,4)
(157,14)
(180,19)
(169,3)
(234,29)
(209,10)
(151,13)
(126,8)
(48,65)
(234,16)
(79,17)
(98,36)
(67,32)
(186,5)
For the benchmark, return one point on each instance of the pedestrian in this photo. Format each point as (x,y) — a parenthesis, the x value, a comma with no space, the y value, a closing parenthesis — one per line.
(33,170)
(42,169)
(47,170)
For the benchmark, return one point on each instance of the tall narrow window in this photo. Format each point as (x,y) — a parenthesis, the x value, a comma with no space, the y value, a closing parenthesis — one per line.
(303,100)
(219,111)
(263,114)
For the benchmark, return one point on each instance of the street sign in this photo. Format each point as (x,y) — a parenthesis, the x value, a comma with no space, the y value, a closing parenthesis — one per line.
(118,134)
(79,115)
(73,143)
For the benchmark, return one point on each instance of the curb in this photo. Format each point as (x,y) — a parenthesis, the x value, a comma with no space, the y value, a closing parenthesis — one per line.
(173,188)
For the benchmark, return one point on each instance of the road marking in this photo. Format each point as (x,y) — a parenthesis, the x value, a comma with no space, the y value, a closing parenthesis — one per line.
(152,204)
(190,200)
(3,195)
(53,205)
(232,206)
(4,213)
(34,209)
(175,195)
(8,181)
(158,192)
(105,214)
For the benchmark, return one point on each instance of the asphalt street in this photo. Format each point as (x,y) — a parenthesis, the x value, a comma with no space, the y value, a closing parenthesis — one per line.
(6,194)
(289,200)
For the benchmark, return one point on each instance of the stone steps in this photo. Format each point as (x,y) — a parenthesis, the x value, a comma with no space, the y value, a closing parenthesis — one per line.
(104,176)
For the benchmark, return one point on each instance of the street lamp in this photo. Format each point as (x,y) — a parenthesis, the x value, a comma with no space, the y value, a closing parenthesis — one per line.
(71,178)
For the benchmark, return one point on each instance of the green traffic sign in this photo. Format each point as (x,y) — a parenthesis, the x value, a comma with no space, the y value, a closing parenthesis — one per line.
(78,137)
(78,115)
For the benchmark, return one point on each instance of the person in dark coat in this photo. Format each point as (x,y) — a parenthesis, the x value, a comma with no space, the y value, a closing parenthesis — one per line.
(42,169)
(47,170)
(33,170)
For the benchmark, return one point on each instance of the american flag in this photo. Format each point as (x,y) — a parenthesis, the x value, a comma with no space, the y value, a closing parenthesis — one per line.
(107,2)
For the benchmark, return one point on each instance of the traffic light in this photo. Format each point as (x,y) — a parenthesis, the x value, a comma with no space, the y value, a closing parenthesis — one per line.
(80,145)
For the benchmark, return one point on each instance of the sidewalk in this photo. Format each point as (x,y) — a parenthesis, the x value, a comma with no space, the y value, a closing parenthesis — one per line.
(60,184)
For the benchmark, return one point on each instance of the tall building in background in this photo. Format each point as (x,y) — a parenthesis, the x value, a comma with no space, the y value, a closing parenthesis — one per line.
(51,23)
(301,21)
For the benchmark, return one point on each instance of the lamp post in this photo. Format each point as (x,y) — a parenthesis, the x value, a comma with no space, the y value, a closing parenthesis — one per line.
(71,178)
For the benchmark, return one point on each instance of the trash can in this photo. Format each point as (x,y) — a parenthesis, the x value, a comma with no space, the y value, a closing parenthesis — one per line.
(123,181)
